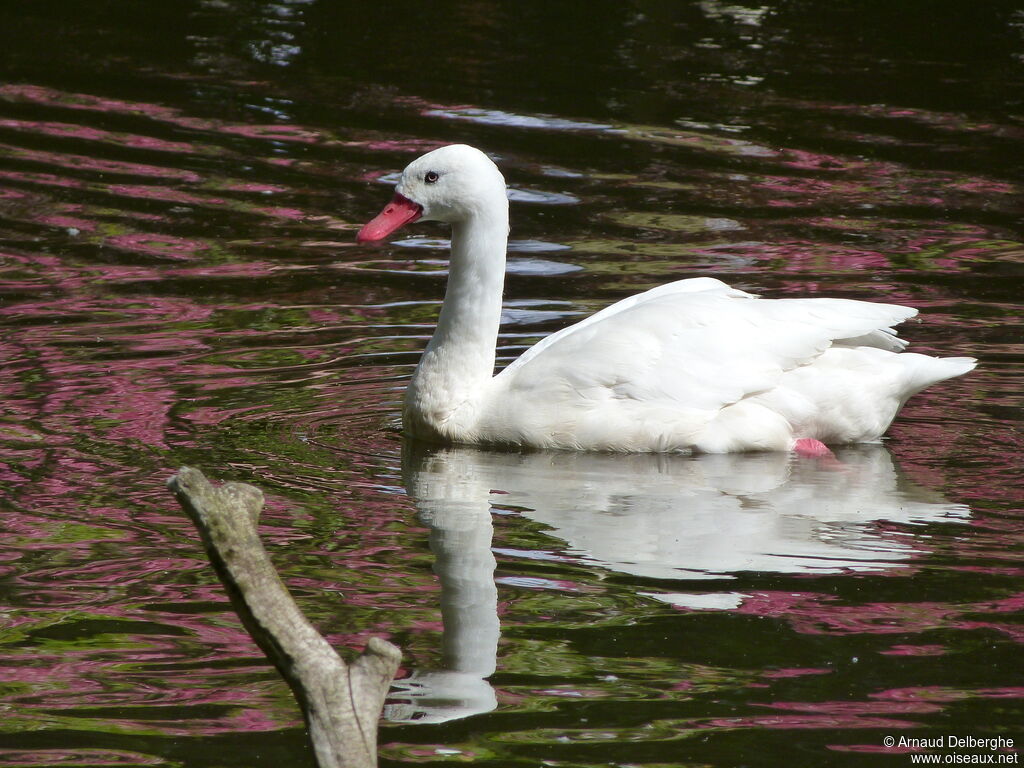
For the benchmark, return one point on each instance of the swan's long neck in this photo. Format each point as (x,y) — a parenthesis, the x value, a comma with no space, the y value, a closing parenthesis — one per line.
(458,364)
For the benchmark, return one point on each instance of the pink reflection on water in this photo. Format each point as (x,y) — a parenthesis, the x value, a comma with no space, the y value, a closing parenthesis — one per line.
(899,251)
(814,614)
(45,179)
(117,399)
(871,749)
(252,186)
(67,222)
(164,246)
(803,256)
(292,214)
(87,163)
(782,674)
(79,101)
(30,259)
(856,708)
(792,722)
(419,146)
(814,161)
(78,756)
(42,95)
(946,121)
(163,193)
(111,310)
(70,130)
(915,650)
(936,693)
(291,133)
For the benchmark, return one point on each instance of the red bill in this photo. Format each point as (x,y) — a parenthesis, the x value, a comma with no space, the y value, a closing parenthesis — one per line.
(399,212)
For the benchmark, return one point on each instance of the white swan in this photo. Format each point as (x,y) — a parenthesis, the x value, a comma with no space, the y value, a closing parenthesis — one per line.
(691,365)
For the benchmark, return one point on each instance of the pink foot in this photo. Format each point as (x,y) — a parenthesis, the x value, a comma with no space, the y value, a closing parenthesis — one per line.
(810,448)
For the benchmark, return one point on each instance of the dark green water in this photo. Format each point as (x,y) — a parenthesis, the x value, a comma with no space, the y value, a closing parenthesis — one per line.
(180,185)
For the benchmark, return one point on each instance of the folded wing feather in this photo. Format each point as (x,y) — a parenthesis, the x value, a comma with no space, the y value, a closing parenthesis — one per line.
(701,344)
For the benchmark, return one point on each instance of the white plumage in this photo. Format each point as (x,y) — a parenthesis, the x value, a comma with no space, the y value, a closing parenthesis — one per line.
(691,365)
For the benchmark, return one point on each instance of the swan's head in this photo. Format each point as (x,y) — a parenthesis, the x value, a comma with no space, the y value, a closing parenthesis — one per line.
(450,184)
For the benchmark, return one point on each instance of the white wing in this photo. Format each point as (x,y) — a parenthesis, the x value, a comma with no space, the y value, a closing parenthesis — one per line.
(700,344)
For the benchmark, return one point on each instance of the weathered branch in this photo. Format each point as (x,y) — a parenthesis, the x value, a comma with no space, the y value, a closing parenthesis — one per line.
(341,702)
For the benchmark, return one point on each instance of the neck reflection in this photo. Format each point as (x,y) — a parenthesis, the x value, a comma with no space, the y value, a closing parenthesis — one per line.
(663,517)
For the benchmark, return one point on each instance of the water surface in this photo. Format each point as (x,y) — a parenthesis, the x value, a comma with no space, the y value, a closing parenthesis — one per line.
(180,185)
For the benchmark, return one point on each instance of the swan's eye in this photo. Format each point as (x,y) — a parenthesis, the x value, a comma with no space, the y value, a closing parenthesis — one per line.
(431,177)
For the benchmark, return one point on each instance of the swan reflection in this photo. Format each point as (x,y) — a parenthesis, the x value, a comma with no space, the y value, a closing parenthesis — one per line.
(648,515)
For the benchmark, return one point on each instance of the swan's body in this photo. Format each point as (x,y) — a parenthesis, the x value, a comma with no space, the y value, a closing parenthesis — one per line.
(691,365)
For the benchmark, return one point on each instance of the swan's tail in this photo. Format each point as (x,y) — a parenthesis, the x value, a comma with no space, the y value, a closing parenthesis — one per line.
(923,370)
